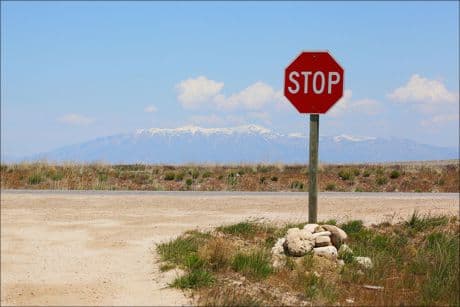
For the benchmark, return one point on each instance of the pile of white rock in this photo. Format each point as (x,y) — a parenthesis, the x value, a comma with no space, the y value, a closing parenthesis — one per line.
(323,240)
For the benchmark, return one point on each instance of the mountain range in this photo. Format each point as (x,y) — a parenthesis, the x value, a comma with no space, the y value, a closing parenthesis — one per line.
(242,144)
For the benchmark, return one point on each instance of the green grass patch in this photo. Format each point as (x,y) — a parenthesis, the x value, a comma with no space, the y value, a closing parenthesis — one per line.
(351,227)
(194,279)
(181,248)
(246,229)
(255,264)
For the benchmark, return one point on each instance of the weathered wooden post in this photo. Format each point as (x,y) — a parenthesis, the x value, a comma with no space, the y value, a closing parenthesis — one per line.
(313,169)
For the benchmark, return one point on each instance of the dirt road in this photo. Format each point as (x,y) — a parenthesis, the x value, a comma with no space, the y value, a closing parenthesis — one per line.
(98,248)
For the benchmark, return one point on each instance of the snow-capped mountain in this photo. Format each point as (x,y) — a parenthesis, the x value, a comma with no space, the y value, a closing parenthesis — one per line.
(242,144)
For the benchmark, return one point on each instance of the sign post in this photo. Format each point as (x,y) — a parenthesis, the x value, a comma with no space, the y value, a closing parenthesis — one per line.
(313,169)
(313,83)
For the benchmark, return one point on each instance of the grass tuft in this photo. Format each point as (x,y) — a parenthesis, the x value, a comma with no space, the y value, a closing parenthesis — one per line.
(351,227)
(245,229)
(255,264)
(179,249)
(419,223)
(194,279)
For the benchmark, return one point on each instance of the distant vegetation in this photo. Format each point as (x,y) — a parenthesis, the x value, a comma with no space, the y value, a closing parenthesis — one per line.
(414,263)
(406,177)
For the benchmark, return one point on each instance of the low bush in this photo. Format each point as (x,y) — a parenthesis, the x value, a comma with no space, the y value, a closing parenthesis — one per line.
(346,174)
(170,176)
(381,180)
(395,174)
(297,185)
(35,179)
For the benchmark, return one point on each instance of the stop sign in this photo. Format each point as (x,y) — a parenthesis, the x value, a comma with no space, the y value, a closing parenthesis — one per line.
(313,82)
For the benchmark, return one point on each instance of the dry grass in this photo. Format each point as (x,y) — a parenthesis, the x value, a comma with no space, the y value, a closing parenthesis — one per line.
(406,177)
(416,262)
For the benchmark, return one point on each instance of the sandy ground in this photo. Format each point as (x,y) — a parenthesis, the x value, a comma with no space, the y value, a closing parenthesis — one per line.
(77,249)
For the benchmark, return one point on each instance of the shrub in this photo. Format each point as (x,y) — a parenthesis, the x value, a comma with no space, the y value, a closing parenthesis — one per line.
(366,173)
(170,176)
(206,174)
(57,176)
(346,174)
(102,177)
(262,180)
(194,173)
(395,174)
(381,180)
(232,179)
(356,172)
(330,187)
(180,176)
(380,171)
(274,178)
(35,179)
(188,182)
(297,185)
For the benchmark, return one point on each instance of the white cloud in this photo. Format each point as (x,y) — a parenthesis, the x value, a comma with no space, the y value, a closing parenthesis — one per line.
(347,105)
(150,109)
(75,119)
(426,93)
(201,91)
(254,97)
(194,92)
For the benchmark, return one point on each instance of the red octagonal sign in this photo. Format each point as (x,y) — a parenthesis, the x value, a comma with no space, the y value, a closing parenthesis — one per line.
(313,82)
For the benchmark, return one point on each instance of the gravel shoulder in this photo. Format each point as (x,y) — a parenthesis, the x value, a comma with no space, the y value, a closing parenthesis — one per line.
(98,249)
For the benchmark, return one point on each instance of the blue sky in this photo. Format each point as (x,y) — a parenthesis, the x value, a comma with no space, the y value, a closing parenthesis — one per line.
(73,71)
